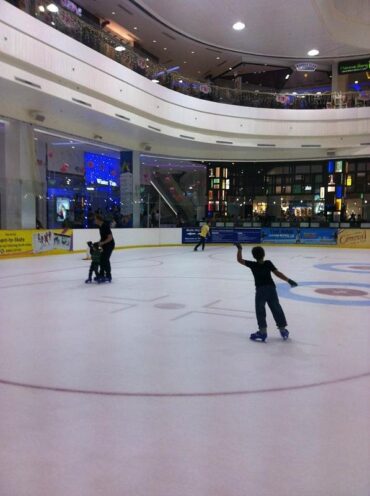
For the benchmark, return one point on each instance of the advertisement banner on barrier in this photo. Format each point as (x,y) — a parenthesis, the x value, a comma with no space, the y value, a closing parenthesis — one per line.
(296,235)
(319,236)
(284,235)
(223,235)
(33,242)
(354,238)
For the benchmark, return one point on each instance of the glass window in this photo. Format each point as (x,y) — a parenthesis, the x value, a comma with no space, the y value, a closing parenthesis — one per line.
(296,188)
(302,169)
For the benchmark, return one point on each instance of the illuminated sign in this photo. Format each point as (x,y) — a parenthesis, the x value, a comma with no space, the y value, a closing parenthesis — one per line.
(354,66)
(306,67)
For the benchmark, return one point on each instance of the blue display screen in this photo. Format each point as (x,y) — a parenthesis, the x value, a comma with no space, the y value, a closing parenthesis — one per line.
(101,170)
(331,167)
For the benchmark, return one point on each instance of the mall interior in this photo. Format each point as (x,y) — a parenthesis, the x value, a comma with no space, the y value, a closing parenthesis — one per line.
(161,115)
(97,115)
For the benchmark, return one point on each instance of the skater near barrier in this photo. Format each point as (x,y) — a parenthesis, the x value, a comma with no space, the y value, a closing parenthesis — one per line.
(204,232)
(265,292)
(107,244)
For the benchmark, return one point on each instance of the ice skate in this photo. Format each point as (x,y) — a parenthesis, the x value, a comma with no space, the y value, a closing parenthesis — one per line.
(284,333)
(258,336)
(88,281)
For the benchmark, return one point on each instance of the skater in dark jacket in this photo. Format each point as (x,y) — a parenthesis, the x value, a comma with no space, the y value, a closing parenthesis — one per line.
(265,292)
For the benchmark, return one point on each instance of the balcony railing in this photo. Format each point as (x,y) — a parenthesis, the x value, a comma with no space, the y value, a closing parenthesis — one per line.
(105,42)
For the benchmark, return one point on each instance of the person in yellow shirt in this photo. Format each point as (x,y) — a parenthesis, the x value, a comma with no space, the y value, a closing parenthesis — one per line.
(204,232)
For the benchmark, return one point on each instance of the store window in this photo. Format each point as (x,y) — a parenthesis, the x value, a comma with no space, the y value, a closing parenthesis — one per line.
(82,178)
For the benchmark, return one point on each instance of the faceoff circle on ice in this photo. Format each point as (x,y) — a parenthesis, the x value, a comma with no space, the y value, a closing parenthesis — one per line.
(358,268)
(328,293)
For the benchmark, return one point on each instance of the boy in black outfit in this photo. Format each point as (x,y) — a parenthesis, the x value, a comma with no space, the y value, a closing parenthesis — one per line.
(265,292)
(95,253)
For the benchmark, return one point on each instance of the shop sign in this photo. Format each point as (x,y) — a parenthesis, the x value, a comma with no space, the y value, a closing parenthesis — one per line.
(306,67)
(353,66)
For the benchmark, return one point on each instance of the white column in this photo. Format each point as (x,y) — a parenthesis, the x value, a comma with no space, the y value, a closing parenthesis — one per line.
(136,189)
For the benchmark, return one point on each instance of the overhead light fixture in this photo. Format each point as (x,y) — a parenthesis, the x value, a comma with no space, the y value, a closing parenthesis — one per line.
(135,27)
(287,76)
(41,8)
(52,8)
(356,82)
(230,68)
(217,58)
(120,48)
(113,13)
(155,80)
(313,52)
(154,41)
(192,52)
(238,26)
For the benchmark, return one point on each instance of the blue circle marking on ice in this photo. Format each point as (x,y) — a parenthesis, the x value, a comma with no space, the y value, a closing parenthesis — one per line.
(341,290)
(356,267)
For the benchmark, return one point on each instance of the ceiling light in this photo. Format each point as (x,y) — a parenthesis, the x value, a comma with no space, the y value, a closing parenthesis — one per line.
(155,80)
(52,23)
(287,76)
(135,27)
(356,82)
(185,62)
(192,52)
(217,58)
(180,81)
(294,93)
(41,8)
(113,13)
(313,52)
(154,41)
(120,48)
(52,8)
(230,68)
(238,26)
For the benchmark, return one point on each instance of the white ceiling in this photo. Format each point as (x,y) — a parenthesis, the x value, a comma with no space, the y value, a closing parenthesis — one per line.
(278,32)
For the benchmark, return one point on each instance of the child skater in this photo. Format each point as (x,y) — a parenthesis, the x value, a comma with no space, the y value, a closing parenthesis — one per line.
(265,292)
(95,253)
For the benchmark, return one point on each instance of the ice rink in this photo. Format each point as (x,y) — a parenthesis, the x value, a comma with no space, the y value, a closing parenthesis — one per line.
(150,386)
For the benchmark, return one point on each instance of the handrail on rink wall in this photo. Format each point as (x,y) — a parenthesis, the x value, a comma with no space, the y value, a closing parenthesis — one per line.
(106,43)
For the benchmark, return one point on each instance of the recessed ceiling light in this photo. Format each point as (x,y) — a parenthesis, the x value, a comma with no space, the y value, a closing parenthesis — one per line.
(113,13)
(154,41)
(230,68)
(120,48)
(135,27)
(356,82)
(164,48)
(217,58)
(313,52)
(180,81)
(185,62)
(192,52)
(52,8)
(238,26)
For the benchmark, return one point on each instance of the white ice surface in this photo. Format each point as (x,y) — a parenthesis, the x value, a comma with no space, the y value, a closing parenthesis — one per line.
(150,386)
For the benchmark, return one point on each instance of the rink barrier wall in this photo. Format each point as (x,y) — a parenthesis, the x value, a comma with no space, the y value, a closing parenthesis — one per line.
(32,242)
